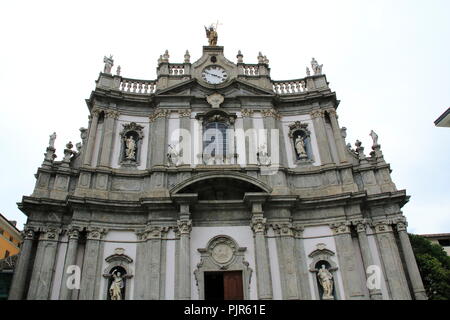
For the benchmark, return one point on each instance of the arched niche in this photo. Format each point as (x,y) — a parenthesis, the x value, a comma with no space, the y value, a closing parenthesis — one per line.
(300,131)
(119,262)
(222,253)
(323,256)
(131,136)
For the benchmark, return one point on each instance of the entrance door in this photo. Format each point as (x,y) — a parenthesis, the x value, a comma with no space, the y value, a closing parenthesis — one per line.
(224,285)
(232,284)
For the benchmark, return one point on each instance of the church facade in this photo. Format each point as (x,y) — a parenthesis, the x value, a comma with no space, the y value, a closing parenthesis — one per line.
(215,182)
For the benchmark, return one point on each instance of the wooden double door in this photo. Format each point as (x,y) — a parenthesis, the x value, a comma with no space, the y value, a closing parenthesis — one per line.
(224,285)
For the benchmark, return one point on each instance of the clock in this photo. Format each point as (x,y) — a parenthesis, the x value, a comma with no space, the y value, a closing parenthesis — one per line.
(214,75)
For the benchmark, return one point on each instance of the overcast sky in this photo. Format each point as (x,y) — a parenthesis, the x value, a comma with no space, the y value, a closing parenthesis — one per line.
(388,61)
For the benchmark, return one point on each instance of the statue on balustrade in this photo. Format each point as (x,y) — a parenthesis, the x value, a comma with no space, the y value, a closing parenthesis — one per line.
(115,290)
(130,151)
(109,62)
(374,137)
(326,281)
(51,142)
(211,34)
(317,69)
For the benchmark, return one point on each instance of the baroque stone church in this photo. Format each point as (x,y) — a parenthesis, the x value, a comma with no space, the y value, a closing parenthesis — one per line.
(215,181)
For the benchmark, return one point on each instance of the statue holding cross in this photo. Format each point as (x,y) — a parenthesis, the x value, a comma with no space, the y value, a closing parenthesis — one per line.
(211,34)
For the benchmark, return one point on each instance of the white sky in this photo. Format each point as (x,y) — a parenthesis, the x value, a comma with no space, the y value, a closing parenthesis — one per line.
(388,62)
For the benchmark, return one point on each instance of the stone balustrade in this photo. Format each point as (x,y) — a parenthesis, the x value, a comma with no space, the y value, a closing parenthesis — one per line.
(176,69)
(290,87)
(250,69)
(137,86)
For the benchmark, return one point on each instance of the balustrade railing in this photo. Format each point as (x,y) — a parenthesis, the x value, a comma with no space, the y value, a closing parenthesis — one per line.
(290,87)
(250,69)
(176,69)
(137,86)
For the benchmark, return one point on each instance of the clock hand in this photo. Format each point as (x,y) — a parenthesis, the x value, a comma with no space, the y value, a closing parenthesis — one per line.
(214,75)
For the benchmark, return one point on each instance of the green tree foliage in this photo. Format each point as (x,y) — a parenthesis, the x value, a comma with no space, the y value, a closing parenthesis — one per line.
(434,267)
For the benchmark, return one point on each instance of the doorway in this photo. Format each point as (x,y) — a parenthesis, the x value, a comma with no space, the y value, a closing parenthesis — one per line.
(225,285)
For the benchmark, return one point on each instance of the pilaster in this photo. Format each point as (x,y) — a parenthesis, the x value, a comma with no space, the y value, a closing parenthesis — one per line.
(17,290)
(353,286)
(91,272)
(321,134)
(398,286)
(411,264)
(108,136)
(73,234)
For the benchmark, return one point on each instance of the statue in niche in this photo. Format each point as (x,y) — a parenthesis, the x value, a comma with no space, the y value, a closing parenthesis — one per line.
(51,142)
(374,137)
(300,147)
(326,281)
(263,156)
(130,151)
(211,34)
(115,290)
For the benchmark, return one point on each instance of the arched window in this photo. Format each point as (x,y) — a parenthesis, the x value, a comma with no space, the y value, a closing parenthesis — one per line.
(218,137)
(215,142)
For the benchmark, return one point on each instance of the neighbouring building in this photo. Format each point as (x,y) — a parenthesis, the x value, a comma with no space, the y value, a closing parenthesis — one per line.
(10,239)
(443,120)
(215,181)
(443,239)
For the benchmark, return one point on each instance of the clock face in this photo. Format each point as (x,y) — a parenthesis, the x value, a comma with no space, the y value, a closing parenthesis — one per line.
(214,75)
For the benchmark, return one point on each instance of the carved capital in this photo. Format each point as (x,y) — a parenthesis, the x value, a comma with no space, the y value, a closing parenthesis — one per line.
(28,233)
(340,227)
(258,224)
(159,113)
(50,233)
(73,232)
(94,233)
(247,113)
(96,112)
(270,113)
(298,230)
(382,226)
(331,112)
(112,114)
(317,114)
(360,225)
(184,226)
(185,113)
(402,226)
(283,229)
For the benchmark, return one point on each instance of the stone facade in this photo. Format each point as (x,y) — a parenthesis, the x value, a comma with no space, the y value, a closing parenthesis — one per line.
(285,196)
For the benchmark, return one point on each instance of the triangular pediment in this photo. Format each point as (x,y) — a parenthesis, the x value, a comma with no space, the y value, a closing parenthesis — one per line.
(236,88)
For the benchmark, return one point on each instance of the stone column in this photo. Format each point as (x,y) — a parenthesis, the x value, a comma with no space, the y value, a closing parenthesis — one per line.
(262,263)
(286,259)
(71,259)
(398,286)
(302,267)
(41,279)
(411,264)
(250,143)
(340,145)
(184,260)
(353,286)
(92,136)
(375,294)
(17,290)
(154,267)
(108,137)
(158,137)
(185,124)
(321,135)
(91,274)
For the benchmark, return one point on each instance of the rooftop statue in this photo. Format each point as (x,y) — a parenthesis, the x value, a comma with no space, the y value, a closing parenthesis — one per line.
(109,62)
(211,34)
